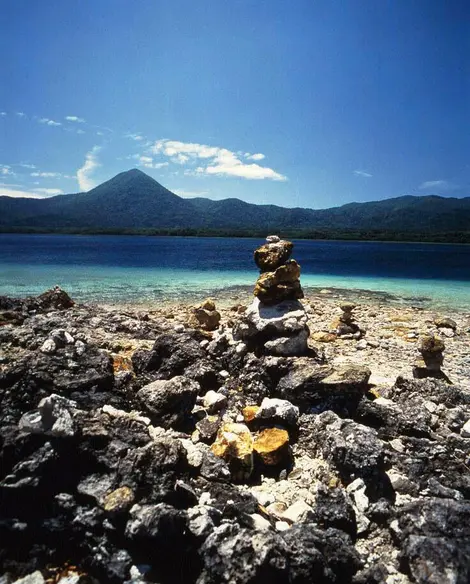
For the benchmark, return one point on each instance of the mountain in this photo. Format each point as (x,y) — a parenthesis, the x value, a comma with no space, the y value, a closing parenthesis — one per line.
(133,200)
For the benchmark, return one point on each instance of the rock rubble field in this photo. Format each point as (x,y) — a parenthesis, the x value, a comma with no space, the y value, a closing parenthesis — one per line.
(293,438)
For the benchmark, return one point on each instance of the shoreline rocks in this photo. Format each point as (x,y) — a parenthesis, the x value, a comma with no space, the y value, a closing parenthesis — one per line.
(139,451)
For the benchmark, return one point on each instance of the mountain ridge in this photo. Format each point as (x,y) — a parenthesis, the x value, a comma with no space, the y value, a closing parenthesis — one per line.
(134,200)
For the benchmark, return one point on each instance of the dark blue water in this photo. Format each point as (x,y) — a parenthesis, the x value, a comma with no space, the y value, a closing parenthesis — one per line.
(134,266)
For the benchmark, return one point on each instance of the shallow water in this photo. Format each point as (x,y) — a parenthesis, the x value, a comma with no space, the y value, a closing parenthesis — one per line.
(135,269)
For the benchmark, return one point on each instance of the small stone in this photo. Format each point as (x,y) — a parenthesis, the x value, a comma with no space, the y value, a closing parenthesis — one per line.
(234,443)
(259,522)
(357,489)
(33,578)
(445,322)
(323,337)
(465,430)
(298,511)
(249,413)
(179,328)
(48,347)
(282,525)
(431,344)
(277,509)
(271,255)
(80,348)
(361,345)
(214,401)
(280,409)
(118,500)
(397,445)
(208,304)
(208,427)
(273,239)
(272,445)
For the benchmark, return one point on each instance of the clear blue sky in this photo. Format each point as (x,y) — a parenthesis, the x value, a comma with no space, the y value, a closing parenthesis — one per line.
(297,103)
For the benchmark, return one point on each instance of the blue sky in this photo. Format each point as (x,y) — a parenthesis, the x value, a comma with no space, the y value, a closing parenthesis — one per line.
(302,103)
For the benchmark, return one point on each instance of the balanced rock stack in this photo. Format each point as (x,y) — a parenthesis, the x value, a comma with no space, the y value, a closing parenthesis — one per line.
(429,364)
(345,324)
(280,276)
(276,321)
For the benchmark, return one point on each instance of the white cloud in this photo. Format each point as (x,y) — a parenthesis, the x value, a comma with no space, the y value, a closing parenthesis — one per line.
(18,194)
(3,113)
(79,131)
(75,119)
(23,165)
(6,170)
(135,137)
(258,156)
(220,161)
(20,114)
(189,194)
(50,191)
(85,181)
(362,173)
(46,174)
(443,185)
(49,122)
(147,162)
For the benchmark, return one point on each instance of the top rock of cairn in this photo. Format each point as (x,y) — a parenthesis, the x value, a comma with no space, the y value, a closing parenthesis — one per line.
(280,276)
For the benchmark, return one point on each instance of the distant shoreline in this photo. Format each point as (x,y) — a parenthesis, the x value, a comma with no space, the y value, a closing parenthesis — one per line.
(454,237)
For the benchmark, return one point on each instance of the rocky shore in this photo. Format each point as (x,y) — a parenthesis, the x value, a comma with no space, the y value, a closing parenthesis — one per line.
(291,439)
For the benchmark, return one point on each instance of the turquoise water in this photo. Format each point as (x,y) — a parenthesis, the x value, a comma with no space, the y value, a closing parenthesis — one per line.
(120,269)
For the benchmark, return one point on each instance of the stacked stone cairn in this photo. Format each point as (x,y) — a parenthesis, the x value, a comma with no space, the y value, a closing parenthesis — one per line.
(345,325)
(276,322)
(429,364)
(206,316)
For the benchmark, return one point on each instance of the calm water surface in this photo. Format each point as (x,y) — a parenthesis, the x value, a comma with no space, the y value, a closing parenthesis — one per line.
(145,269)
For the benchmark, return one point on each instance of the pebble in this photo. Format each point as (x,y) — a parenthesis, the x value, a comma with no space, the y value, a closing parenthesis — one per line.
(48,347)
(465,431)
(282,525)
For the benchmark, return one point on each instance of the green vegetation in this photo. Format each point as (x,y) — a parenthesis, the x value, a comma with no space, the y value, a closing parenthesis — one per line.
(134,203)
(344,235)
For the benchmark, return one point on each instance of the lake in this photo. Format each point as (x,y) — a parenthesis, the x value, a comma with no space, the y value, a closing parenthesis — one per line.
(139,269)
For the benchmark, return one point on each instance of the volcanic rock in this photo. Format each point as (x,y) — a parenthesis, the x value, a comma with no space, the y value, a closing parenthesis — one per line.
(234,444)
(169,401)
(273,254)
(271,444)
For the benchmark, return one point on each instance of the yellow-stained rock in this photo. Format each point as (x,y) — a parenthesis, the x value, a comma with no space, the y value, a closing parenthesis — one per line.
(272,445)
(249,413)
(118,500)
(323,337)
(122,363)
(234,441)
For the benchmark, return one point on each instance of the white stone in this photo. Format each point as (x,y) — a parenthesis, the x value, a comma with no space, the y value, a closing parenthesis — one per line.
(297,512)
(278,408)
(178,328)
(34,578)
(225,374)
(465,431)
(357,489)
(80,347)
(259,522)
(282,525)
(214,401)
(397,445)
(48,347)
(361,345)
(383,401)
(273,239)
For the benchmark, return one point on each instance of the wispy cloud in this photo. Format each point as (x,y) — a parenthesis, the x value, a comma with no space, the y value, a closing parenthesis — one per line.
(148,162)
(257,156)
(84,178)
(214,160)
(5,170)
(47,174)
(24,165)
(135,137)
(3,113)
(49,122)
(442,185)
(75,119)
(18,193)
(362,173)
(189,194)
(20,114)
(50,192)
